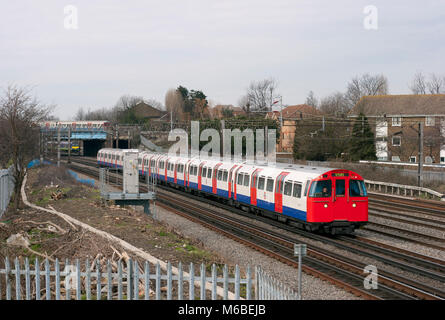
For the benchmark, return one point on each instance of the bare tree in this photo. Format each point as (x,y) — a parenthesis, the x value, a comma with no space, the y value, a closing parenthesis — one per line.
(436,84)
(174,103)
(244,103)
(334,104)
(418,85)
(127,101)
(365,85)
(155,104)
(261,94)
(20,114)
(311,100)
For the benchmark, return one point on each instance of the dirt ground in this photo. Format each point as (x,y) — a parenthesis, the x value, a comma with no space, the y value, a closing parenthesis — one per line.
(57,239)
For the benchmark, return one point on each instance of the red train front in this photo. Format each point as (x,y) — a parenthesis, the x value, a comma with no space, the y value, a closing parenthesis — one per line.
(337,202)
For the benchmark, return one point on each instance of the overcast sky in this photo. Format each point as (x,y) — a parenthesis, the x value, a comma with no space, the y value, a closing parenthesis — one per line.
(145,48)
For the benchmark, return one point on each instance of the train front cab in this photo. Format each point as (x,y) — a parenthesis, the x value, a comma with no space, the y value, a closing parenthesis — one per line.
(337,202)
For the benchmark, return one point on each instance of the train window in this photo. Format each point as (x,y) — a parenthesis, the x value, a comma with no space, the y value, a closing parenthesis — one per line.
(139,161)
(340,187)
(204,172)
(307,186)
(357,188)
(195,170)
(269,185)
(297,190)
(288,188)
(261,182)
(220,175)
(240,179)
(246,180)
(320,189)
(209,173)
(225,176)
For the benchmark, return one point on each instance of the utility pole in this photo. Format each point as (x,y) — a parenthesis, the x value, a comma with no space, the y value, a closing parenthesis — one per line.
(420,168)
(171,120)
(58,146)
(69,144)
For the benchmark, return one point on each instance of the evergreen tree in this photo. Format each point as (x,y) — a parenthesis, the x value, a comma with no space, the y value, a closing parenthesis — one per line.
(362,142)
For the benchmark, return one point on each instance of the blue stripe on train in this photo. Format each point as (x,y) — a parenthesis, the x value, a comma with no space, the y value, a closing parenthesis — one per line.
(295,213)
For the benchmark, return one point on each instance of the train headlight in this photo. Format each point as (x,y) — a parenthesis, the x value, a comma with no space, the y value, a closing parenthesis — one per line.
(354,205)
(325,205)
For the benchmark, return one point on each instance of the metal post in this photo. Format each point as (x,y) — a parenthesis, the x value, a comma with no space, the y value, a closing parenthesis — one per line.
(299,251)
(117,136)
(420,167)
(58,146)
(69,144)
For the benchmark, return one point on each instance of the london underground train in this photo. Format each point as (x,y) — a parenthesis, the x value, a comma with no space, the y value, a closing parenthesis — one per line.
(313,198)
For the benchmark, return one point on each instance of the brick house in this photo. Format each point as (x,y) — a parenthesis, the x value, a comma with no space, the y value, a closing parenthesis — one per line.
(395,121)
(291,115)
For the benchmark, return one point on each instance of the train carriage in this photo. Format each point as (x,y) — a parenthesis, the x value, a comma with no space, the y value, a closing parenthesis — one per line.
(314,198)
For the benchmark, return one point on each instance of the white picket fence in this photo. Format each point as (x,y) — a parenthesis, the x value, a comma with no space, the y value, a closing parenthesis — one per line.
(132,282)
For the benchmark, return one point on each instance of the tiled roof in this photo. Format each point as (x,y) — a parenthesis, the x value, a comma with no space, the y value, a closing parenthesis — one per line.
(410,104)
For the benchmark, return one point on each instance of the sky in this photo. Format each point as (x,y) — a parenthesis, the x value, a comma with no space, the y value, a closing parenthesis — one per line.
(145,48)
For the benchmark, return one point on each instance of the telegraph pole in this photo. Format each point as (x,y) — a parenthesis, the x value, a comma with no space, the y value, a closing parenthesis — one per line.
(420,168)
(69,144)
(58,146)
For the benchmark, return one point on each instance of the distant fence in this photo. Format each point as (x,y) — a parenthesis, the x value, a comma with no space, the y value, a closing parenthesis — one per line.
(130,281)
(6,188)
(403,190)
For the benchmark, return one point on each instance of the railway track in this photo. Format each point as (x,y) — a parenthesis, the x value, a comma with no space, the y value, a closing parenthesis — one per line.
(320,262)
(403,234)
(429,207)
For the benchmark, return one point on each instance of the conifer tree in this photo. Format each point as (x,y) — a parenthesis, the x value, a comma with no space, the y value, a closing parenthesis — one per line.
(362,142)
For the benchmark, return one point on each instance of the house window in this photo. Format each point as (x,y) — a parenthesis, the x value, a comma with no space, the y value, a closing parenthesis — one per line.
(442,159)
(429,121)
(396,141)
(396,121)
(412,159)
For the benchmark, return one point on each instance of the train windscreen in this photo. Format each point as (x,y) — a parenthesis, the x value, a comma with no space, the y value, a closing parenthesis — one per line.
(357,188)
(321,189)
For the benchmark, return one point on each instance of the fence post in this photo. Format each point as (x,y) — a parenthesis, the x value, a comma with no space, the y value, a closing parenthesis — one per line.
(88,284)
(8,280)
(169,281)
(203,282)
(27,279)
(47,279)
(249,284)
(129,280)
(213,282)
(192,282)
(147,281)
(37,270)
(158,281)
(17,279)
(180,282)
(57,268)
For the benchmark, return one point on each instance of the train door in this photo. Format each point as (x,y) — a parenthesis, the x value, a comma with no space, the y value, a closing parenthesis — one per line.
(175,172)
(340,199)
(253,187)
(230,181)
(166,166)
(234,182)
(200,175)
(214,176)
(279,186)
